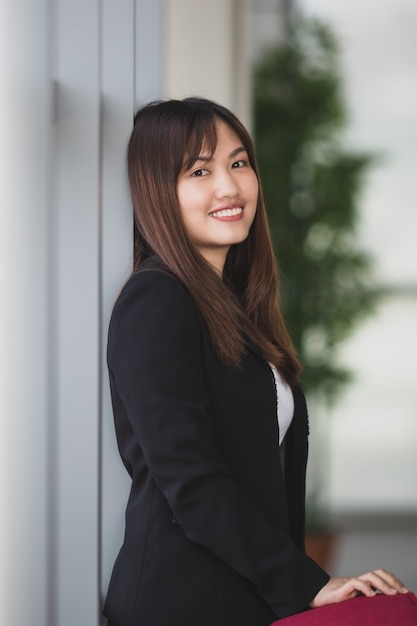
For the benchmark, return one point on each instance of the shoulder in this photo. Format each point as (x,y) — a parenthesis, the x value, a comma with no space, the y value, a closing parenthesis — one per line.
(153,296)
(154,321)
(151,280)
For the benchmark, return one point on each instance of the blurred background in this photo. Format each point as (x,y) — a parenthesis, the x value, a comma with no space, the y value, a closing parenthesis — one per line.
(329,92)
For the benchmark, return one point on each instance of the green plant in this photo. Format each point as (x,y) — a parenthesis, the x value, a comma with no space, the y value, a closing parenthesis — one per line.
(311,186)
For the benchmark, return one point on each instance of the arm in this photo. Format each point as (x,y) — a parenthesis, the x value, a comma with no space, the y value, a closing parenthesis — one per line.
(156,363)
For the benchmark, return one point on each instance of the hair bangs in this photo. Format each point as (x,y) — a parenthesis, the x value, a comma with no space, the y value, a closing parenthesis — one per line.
(202,138)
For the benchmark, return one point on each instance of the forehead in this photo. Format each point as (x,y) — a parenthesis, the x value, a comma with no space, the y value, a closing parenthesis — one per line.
(226,135)
(204,139)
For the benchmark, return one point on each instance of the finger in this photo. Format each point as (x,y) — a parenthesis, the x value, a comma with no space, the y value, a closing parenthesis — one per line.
(392,580)
(383,581)
(379,583)
(360,585)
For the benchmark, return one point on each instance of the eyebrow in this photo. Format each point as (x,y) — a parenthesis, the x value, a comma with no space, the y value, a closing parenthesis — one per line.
(232,155)
(237,151)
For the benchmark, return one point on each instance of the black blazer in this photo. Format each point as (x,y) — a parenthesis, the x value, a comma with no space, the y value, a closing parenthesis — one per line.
(214,533)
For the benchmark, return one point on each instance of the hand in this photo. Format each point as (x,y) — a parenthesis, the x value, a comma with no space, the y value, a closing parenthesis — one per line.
(340,589)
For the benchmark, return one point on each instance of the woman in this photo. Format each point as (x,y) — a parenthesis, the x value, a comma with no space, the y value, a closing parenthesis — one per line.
(210,420)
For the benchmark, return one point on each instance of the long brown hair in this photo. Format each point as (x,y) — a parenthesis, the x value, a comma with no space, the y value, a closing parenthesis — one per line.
(243,304)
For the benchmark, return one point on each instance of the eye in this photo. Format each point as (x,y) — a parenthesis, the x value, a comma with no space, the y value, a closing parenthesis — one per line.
(199,173)
(238,164)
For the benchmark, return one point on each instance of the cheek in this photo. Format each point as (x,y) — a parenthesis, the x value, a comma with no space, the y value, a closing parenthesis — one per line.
(254,196)
(255,186)
(250,185)
(190,206)
(188,195)
(183,201)
(254,190)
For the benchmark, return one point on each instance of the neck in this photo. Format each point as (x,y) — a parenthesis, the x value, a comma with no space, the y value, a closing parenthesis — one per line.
(217,259)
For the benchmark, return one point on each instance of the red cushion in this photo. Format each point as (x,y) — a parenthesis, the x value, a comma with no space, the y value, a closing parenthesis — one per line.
(381,610)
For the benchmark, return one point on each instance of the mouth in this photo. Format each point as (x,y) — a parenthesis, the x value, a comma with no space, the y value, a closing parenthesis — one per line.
(228,214)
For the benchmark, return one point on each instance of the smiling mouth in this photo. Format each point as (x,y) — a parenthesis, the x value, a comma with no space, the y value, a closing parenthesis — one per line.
(227,213)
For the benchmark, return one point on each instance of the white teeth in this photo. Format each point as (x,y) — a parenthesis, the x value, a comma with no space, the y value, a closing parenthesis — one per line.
(227,212)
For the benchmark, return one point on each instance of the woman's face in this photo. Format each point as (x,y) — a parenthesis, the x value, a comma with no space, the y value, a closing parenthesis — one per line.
(218,197)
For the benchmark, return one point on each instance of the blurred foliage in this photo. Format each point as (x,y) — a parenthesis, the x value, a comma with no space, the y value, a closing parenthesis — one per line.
(311,186)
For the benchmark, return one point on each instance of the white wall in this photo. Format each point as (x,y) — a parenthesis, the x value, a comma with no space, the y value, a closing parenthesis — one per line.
(207,52)
(268,24)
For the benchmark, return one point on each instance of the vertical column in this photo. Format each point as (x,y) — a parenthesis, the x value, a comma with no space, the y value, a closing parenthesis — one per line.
(118,27)
(150,49)
(132,44)
(75,285)
(24,131)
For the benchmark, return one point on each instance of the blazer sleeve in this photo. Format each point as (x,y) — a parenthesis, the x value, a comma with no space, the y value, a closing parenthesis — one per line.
(155,362)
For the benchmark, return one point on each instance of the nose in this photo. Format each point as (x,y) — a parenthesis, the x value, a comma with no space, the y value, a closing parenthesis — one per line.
(226,185)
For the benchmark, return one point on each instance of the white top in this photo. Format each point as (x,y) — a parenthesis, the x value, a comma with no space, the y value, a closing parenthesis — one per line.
(285,404)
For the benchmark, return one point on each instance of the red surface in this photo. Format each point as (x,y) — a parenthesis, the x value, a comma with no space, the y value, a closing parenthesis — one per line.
(380,610)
